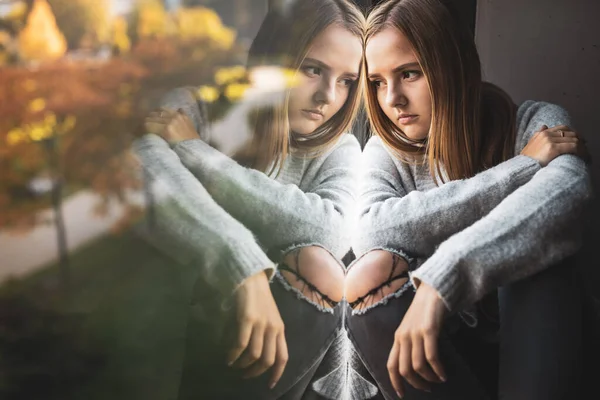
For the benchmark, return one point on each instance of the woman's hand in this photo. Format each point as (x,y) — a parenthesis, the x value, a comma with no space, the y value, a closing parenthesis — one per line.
(549,143)
(414,354)
(173,126)
(260,341)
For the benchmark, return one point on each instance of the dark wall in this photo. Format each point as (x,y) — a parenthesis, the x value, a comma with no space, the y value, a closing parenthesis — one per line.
(550,50)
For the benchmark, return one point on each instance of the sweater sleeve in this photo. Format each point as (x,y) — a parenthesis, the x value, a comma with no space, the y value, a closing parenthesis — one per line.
(536,226)
(282,215)
(190,220)
(413,223)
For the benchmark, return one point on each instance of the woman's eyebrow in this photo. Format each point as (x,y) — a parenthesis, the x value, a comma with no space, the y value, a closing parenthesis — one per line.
(397,69)
(326,67)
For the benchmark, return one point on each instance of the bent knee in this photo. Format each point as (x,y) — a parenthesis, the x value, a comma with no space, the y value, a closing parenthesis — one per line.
(374,276)
(317,273)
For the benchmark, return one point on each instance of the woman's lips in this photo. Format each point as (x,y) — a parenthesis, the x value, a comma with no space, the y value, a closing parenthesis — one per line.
(405,120)
(313,114)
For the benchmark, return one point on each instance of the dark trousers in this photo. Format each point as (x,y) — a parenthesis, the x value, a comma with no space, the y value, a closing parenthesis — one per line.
(309,332)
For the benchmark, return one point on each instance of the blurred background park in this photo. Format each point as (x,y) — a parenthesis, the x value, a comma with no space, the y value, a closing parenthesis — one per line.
(88,310)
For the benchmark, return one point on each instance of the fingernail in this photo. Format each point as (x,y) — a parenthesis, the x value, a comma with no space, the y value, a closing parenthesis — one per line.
(399,395)
(444,379)
(272,385)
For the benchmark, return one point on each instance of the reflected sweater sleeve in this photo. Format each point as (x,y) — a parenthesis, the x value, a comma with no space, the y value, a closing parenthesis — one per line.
(284,215)
(191,220)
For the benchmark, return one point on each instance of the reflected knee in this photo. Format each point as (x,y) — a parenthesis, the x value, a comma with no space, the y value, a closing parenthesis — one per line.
(316,273)
(374,276)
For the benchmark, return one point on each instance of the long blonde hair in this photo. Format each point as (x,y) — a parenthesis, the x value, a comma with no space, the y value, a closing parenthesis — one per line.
(284,39)
(473,122)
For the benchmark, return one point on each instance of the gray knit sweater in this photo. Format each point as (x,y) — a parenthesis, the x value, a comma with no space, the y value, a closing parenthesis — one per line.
(225,217)
(468,237)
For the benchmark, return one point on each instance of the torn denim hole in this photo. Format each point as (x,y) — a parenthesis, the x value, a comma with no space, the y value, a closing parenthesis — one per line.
(409,260)
(293,247)
(386,299)
(301,295)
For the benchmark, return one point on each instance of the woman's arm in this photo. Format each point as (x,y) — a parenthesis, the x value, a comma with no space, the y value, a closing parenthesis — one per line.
(189,219)
(413,224)
(280,214)
(534,227)
(424,219)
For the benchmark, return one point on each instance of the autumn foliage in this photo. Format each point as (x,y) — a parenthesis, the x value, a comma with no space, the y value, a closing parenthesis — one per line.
(88,110)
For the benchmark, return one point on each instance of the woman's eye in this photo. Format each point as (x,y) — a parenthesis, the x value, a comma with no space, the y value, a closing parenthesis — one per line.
(312,71)
(411,74)
(347,82)
(377,83)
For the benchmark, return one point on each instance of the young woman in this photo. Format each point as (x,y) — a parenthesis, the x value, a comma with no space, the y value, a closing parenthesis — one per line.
(292,188)
(469,193)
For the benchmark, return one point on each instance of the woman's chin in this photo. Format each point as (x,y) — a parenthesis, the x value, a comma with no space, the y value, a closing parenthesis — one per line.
(304,128)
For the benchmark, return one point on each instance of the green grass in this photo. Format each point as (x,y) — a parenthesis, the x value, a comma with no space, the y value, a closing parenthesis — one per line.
(133,306)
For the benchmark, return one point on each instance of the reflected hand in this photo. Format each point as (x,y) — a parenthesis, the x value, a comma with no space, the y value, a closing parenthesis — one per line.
(173,126)
(260,341)
(414,354)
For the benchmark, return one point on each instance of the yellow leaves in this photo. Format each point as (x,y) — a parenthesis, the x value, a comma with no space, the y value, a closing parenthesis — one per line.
(204,23)
(120,38)
(152,20)
(235,91)
(229,74)
(40,130)
(15,136)
(41,39)
(37,105)
(207,93)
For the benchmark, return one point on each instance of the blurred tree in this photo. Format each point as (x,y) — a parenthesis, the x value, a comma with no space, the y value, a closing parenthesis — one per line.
(41,39)
(120,40)
(149,19)
(203,23)
(79,19)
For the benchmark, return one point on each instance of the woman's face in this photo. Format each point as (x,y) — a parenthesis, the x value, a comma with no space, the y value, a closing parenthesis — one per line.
(324,80)
(402,88)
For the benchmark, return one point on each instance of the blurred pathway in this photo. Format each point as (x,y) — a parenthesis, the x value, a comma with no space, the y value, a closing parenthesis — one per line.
(21,254)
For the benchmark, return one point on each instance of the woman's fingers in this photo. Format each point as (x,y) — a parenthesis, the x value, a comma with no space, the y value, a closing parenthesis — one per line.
(406,366)
(430,343)
(419,361)
(267,358)
(255,348)
(281,360)
(243,339)
(393,367)
(566,148)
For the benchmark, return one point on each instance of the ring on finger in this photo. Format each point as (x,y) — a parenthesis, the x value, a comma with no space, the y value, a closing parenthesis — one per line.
(562,133)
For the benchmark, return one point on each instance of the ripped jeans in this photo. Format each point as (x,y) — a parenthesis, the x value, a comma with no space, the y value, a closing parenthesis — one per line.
(310,329)
(340,353)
